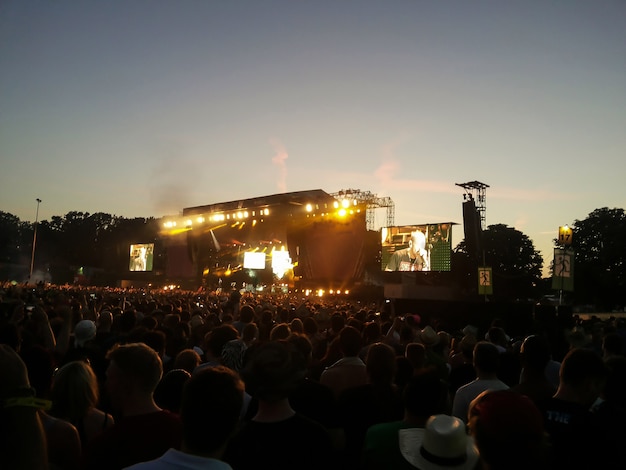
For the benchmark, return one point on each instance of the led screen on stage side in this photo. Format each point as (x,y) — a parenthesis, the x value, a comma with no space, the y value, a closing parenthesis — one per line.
(424,247)
(254,260)
(141,257)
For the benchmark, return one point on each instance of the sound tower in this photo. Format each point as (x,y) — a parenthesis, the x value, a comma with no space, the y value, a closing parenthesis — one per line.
(472,229)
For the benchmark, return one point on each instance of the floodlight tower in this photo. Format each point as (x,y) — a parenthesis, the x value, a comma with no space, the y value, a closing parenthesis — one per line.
(372,202)
(477,191)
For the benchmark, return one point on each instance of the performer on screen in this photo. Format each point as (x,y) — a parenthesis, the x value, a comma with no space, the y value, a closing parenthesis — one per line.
(413,258)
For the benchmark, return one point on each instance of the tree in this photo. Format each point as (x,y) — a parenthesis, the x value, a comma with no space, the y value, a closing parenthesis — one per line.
(599,243)
(516,264)
(14,238)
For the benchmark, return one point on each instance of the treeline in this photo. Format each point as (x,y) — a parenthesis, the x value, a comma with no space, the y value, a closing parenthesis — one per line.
(76,243)
(100,242)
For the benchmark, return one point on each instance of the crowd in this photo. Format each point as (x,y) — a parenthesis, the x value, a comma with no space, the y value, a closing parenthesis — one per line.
(152,379)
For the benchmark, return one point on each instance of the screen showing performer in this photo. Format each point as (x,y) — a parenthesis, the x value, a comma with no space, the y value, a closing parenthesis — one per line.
(416,247)
(141,257)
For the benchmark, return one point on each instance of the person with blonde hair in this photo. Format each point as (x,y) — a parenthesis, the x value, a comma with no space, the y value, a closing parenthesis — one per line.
(75,398)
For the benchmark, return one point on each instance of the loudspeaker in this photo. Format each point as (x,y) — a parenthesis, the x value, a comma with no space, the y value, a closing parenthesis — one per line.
(471,227)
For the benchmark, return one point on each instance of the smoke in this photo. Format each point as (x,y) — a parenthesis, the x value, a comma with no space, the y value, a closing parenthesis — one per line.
(389,166)
(279,160)
(170,185)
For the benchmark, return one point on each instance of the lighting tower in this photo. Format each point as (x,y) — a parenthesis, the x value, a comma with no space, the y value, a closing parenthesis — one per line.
(477,191)
(32,258)
(372,202)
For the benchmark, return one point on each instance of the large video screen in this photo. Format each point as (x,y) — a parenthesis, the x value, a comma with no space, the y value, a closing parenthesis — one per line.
(424,247)
(254,260)
(141,257)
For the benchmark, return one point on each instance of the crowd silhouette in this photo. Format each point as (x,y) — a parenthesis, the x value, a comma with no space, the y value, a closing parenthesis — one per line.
(111,378)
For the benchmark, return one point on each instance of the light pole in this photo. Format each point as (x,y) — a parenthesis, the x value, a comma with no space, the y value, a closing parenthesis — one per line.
(32,258)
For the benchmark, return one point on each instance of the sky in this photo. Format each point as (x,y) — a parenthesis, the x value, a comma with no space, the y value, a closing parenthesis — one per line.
(140,108)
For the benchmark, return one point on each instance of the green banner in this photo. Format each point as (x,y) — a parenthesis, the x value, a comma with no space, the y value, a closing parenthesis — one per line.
(485,281)
(563,272)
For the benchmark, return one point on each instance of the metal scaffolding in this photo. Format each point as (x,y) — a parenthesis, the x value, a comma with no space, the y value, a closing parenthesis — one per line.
(477,191)
(372,202)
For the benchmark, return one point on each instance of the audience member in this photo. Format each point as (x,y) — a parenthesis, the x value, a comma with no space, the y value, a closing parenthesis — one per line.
(463,372)
(486,361)
(75,398)
(187,359)
(62,439)
(142,430)
(507,428)
(434,358)
(534,357)
(214,342)
(442,444)
(349,371)
(378,401)
(612,346)
(277,436)
(168,394)
(610,414)
(425,395)
(211,404)
(567,416)
(23,443)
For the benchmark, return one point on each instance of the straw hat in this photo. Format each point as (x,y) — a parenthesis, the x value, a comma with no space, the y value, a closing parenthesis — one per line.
(442,444)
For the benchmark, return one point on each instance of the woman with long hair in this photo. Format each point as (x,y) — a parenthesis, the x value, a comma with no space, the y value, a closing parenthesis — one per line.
(75,398)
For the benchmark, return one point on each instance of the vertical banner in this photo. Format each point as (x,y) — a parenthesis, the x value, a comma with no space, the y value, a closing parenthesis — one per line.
(485,281)
(563,272)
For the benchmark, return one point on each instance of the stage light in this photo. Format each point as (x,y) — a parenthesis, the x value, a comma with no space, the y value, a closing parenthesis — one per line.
(188,223)
(341,212)
(345,203)
(200,219)
(309,208)
(267,212)
(336,205)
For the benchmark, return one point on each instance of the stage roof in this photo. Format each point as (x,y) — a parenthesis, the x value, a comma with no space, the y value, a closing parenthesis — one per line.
(296,198)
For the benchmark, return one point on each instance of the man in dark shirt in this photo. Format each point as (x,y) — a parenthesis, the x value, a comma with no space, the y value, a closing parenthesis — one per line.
(143,431)
(567,417)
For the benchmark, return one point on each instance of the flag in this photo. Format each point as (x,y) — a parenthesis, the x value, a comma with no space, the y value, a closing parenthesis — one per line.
(485,281)
(563,272)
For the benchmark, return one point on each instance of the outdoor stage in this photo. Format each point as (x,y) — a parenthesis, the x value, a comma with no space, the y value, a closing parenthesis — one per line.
(306,238)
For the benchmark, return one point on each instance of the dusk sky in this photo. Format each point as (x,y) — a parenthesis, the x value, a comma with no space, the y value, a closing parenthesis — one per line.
(141,108)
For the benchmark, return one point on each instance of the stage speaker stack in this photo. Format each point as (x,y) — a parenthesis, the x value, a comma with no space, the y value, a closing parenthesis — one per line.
(472,229)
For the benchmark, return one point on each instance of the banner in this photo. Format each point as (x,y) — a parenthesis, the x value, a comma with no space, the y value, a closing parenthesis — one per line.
(485,281)
(563,272)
